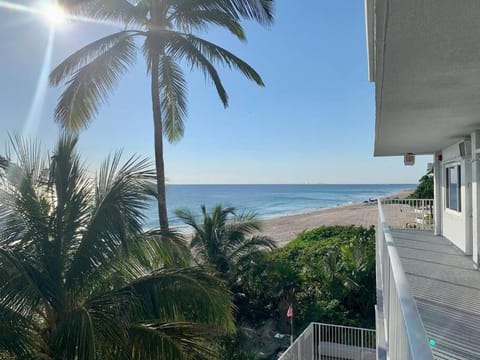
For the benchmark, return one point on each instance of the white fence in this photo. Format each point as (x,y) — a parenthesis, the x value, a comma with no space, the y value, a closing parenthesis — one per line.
(409,213)
(400,329)
(325,341)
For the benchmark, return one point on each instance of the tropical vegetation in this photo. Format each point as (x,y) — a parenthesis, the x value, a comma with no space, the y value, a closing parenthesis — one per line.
(424,188)
(228,241)
(224,239)
(165,33)
(328,274)
(80,279)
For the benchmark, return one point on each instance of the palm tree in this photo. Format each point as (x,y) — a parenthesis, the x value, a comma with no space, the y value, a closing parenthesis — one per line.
(78,277)
(224,239)
(165,30)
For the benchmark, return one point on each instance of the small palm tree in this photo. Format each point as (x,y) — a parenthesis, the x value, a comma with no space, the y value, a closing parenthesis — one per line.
(78,277)
(165,30)
(224,239)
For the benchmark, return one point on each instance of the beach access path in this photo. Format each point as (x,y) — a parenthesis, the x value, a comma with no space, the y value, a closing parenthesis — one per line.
(283,229)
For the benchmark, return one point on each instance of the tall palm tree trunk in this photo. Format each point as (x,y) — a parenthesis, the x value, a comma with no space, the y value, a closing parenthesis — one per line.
(158,134)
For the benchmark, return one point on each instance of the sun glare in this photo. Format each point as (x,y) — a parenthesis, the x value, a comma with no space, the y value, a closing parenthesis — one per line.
(55,15)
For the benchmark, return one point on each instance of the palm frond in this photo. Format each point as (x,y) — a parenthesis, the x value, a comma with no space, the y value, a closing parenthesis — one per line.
(110,313)
(16,337)
(216,53)
(171,340)
(180,48)
(188,218)
(25,205)
(187,18)
(116,218)
(27,284)
(257,10)
(26,156)
(91,85)
(189,293)
(84,56)
(75,336)
(164,248)
(173,94)
(72,195)
(251,246)
(122,12)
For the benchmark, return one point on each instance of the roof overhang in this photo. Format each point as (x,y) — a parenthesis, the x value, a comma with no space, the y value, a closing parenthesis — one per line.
(425,60)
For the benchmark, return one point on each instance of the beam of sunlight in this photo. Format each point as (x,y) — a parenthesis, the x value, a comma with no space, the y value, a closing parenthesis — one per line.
(36,108)
(17,7)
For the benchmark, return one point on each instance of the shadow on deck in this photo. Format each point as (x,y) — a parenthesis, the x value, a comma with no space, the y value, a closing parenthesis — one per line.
(446,288)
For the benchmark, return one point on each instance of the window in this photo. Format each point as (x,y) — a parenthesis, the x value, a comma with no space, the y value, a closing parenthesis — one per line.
(454,188)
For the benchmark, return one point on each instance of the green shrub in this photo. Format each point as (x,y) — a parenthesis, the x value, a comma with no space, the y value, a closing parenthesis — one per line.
(327,273)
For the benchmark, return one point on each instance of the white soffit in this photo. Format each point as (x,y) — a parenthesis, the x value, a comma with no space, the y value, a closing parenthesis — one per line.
(427,74)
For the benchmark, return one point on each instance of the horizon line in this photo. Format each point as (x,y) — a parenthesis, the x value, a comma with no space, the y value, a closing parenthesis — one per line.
(290,183)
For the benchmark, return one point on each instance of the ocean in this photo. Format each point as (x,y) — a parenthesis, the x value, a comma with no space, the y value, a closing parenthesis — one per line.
(268,201)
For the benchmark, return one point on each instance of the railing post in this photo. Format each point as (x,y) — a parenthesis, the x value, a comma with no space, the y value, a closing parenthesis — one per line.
(362,339)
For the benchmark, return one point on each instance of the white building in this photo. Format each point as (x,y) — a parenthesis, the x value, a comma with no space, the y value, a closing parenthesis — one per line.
(424,57)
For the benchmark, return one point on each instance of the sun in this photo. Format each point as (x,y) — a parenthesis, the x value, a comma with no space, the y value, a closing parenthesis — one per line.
(55,15)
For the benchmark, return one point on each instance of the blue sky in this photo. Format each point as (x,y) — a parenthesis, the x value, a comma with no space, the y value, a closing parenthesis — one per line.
(312,123)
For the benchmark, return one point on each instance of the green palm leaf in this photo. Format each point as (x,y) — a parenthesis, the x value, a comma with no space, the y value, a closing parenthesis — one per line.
(180,48)
(173,98)
(90,85)
(18,342)
(224,57)
(116,216)
(258,10)
(116,11)
(188,18)
(171,340)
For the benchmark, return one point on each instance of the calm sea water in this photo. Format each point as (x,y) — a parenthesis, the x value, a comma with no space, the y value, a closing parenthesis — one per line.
(268,200)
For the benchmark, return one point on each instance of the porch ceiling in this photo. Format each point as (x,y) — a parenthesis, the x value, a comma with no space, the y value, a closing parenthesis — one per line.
(427,74)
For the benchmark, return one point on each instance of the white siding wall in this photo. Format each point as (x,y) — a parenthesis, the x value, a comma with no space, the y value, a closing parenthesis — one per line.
(455,226)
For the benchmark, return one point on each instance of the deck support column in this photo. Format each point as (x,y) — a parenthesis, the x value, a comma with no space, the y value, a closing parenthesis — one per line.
(475,195)
(437,193)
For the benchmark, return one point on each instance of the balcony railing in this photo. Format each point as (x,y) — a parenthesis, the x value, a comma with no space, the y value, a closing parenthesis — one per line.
(325,341)
(409,213)
(400,331)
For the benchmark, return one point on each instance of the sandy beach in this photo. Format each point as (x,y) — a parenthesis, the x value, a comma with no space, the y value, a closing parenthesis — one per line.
(285,228)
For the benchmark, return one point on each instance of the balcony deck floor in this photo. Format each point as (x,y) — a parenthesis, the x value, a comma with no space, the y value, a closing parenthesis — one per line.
(446,288)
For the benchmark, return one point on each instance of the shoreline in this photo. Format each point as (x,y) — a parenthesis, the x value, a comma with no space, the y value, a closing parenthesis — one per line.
(282,229)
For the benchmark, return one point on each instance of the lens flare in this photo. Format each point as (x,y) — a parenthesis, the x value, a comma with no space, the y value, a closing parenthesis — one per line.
(55,15)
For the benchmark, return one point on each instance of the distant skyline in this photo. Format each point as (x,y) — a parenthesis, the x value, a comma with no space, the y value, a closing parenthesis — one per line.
(312,123)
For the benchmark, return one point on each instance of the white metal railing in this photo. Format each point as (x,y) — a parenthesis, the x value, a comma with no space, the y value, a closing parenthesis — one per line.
(402,333)
(325,341)
(409,213)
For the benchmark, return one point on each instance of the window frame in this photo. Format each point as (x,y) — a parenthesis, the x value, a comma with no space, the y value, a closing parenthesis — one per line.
(448,171)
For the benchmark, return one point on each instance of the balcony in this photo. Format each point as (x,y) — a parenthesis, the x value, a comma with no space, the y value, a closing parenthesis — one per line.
(438,293)
(428,297)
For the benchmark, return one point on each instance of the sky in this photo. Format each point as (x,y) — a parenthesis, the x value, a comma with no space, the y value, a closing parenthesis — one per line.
(313,122)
